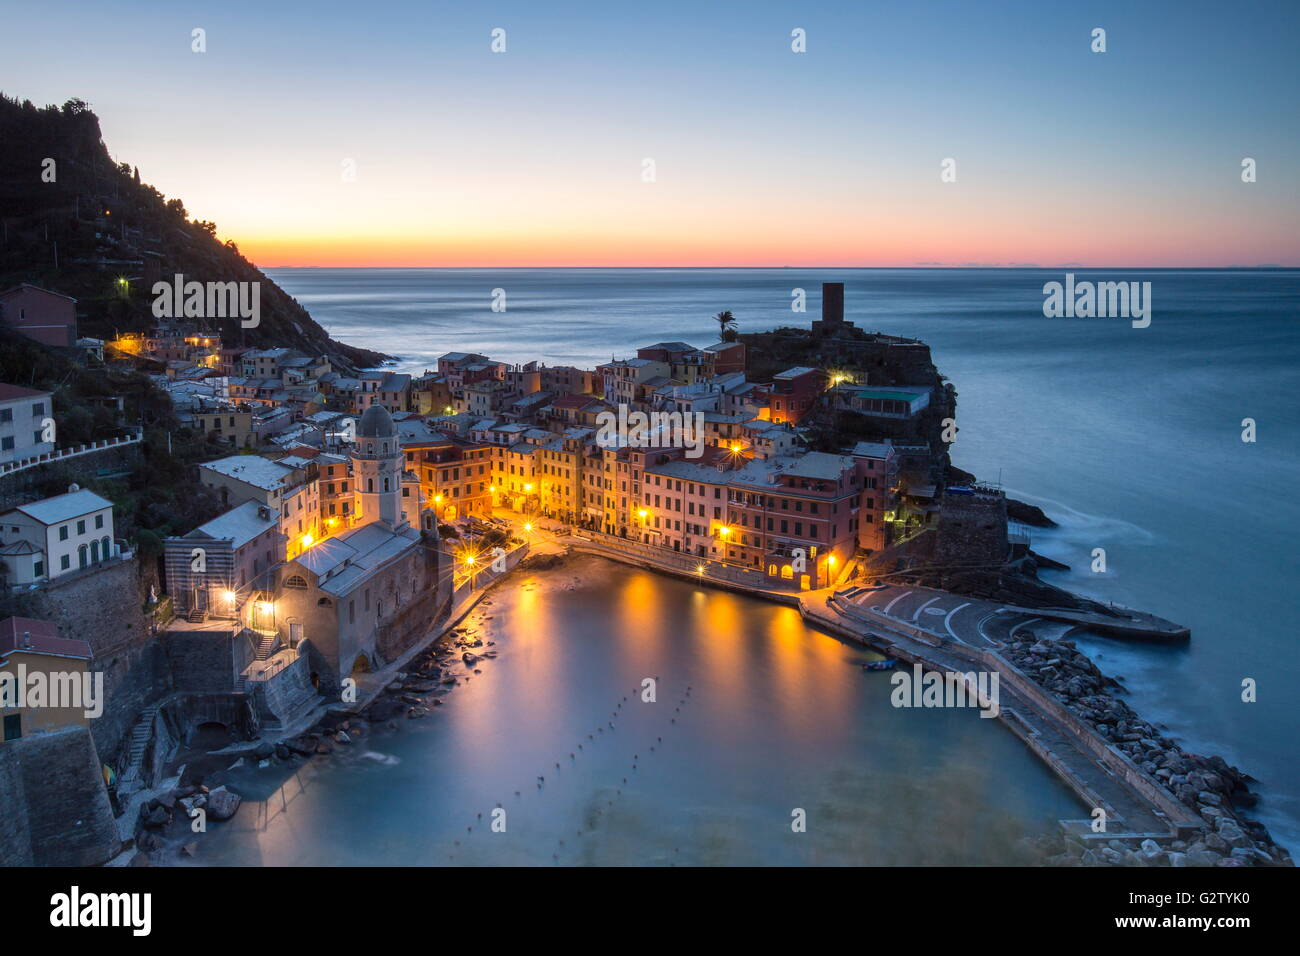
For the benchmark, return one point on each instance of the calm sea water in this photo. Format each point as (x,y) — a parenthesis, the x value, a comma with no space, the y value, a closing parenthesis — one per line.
(1130,438)
(755,717)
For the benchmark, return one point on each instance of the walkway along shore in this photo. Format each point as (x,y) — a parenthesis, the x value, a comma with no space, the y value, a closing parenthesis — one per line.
(1145,824)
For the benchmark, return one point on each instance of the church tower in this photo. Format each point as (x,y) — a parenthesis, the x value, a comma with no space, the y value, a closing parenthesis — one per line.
(377,469)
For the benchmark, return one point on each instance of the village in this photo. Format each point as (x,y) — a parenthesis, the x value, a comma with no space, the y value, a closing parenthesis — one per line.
(361,512)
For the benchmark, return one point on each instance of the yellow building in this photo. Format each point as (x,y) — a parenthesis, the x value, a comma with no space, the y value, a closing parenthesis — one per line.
(558,466)
(43,682)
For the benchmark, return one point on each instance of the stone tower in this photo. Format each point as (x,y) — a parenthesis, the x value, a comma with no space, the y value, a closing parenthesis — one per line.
(377,469)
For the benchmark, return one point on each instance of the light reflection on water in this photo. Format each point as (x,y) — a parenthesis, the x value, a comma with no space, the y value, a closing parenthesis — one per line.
(755,715)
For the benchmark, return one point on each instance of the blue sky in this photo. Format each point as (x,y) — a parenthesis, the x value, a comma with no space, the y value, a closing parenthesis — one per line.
(762,156)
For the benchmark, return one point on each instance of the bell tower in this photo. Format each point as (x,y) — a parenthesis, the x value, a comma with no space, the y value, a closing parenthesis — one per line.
(377,469)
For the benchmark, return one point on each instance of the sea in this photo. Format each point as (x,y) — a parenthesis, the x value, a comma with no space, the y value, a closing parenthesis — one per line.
(1166,454)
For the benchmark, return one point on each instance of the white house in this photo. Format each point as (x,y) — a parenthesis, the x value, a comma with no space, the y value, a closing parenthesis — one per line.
(22,414)
(55,536)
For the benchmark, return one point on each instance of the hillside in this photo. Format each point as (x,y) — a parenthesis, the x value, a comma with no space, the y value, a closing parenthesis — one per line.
(97,222)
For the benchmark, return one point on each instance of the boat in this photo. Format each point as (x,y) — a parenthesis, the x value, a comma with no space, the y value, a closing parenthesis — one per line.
(886,665)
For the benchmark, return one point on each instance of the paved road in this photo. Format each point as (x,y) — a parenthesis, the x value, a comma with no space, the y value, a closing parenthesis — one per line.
(965,620)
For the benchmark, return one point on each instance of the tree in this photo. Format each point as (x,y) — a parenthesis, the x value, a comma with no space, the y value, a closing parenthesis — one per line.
(727,325)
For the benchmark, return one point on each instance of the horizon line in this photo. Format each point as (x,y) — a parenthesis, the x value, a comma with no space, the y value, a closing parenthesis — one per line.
(915,268)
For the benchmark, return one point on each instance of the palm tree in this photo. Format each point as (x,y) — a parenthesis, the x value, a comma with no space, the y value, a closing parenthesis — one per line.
(727,324)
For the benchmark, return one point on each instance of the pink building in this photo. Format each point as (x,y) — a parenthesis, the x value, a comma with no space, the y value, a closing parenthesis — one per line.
(47,317)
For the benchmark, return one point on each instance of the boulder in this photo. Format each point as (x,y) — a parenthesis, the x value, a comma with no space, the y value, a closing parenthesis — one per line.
(157,818)
(383,709)
(304,746)
(222,803)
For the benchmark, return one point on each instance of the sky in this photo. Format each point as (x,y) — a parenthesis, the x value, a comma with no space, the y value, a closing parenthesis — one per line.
(761,156)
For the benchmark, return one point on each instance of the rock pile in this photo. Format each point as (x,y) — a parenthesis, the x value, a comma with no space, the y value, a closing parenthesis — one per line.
(1206,785)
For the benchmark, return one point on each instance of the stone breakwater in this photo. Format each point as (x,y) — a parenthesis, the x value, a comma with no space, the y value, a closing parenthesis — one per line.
(1206,785)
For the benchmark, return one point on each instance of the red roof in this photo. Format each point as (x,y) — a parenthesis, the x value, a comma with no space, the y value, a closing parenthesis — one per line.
(15,632)
(8,392)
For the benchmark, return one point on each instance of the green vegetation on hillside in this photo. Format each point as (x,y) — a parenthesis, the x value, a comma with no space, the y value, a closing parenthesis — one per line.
(74,221)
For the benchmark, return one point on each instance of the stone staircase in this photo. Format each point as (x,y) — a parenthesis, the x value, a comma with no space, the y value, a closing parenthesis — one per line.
(197,616)
(265,644)
(141,735)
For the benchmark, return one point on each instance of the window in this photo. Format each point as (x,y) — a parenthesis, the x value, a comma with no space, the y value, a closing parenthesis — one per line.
(65,562)
(297,582)
(63,532)
(38,569)
(7,442)
(81,526)
(13,726)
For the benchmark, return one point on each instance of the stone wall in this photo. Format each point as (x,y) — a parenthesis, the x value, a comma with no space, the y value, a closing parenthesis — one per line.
(280,698)
(20,487)
(206,661)
(105,608)
(972,530)
(404,629)
(52,799)
(15,832)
